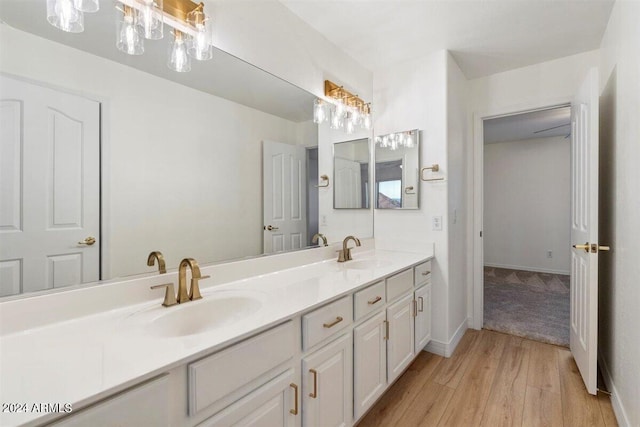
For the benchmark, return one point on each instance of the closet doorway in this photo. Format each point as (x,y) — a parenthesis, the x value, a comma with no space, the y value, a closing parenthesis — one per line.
(527,215)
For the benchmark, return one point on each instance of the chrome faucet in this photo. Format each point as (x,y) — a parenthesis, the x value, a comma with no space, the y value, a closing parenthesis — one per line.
(194,289)
(314,240)
(157,255)
(345,254)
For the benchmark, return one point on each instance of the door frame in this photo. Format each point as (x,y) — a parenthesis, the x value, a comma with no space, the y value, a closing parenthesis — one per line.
(476,294)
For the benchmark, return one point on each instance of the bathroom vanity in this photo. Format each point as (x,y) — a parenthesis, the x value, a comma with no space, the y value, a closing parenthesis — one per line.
(313,344)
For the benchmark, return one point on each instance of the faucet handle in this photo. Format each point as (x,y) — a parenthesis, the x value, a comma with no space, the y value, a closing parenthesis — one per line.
(194,292)
(169,295)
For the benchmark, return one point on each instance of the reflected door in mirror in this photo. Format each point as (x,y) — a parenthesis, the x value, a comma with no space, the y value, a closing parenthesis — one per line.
(284,193)
(50,198)
(351,174)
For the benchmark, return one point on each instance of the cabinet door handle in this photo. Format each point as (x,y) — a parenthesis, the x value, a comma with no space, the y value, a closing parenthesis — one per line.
(375,300)
(294,411)
(386,329)
(314,394)
(334,323)
(415,308)
(421,304)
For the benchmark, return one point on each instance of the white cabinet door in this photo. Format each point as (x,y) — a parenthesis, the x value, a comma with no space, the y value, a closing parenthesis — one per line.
(400,342)
(275,404)
(369,363)
(423,317)
(327,384)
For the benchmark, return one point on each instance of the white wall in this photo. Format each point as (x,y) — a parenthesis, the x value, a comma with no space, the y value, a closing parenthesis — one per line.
(527,204)
(183,168)
(457,148)
(545,84)
(413,95)
(619,317)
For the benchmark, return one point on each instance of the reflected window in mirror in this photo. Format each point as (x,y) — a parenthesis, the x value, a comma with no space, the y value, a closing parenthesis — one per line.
(351,174)
(397,169)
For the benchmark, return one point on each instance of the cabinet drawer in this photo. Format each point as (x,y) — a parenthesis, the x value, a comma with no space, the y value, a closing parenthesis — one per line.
(214,379)
(422,273)
(368,300)
(144,405)
(326,321)
(399,284)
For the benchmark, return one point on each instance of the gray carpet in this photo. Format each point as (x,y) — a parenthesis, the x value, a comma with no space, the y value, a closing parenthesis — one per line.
(527,304)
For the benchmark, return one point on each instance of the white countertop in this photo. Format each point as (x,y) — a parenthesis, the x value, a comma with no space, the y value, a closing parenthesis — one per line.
(84,359)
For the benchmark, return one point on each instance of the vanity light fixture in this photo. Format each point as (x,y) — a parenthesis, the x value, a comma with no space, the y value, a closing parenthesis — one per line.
(343,110)
(393,141)
(144,19)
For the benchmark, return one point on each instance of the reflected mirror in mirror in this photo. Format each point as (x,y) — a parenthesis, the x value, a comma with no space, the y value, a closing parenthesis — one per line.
(351,174)
(107,157)
(397,171)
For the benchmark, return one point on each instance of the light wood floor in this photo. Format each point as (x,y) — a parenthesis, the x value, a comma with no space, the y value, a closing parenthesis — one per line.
(492,379)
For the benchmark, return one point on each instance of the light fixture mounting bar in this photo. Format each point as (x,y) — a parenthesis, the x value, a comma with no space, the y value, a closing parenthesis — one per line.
(332,90)
(174,12)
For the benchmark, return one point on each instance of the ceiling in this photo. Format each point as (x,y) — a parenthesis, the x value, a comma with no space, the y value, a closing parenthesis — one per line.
(225,75)
(536,124)
(484,37)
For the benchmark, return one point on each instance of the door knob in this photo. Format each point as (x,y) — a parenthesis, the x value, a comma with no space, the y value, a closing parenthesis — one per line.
(88,241)
(585,247)
(271,228)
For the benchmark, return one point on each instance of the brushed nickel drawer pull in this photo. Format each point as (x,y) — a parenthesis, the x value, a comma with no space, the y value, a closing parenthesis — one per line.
(375,300)
(314,394)
(294,411)
(334,323)
(421,304)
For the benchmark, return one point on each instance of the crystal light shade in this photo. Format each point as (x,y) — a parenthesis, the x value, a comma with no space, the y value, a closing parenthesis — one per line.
(179,60)
(319,111)
(89,6)
(199,44)
(128,40)
(349,125)
(336,117)
(63,14)
(150,19)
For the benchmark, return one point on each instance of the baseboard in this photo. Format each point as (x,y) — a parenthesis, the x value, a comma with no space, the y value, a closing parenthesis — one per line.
(618,409)
(446,349)
(523,268)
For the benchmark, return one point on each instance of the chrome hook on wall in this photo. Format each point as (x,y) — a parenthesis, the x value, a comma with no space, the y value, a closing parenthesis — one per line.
(433,168)
(323,178)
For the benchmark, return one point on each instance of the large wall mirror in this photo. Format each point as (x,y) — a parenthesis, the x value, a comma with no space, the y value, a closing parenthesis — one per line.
(107,157)
(351,174)
(397,170)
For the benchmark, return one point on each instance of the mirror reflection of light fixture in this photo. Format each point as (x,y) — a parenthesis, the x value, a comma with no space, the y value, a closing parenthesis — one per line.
(64,15)
(347,111)
(128,40)
(394,141)
(142,19)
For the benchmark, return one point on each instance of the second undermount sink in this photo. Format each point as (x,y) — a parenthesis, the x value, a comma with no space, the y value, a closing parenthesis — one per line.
(212,312)
(367,264)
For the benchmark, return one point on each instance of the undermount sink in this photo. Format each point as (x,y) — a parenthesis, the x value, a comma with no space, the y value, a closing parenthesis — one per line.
(211,312)
(367,264)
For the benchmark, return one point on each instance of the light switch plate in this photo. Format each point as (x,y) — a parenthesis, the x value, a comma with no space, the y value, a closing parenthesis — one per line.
(437,223)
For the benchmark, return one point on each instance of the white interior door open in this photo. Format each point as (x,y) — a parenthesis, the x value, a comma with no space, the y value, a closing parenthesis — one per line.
(284,196)
(50,195)
(349,193)
(584,231)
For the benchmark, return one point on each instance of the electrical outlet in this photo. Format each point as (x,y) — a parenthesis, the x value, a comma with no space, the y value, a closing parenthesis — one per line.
(323,220)
(549,254)
(437,223)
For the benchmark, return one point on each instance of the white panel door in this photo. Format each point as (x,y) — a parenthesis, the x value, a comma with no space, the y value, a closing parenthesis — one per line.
(400,342)
(284,196)
(50,194)
(369,363)
(327,384)
(584,231)
(348,194)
